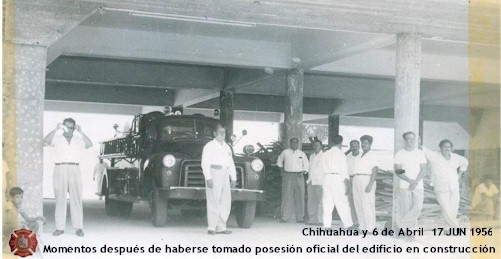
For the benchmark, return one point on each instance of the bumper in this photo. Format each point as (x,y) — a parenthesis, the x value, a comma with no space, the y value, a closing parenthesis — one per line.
(198,193)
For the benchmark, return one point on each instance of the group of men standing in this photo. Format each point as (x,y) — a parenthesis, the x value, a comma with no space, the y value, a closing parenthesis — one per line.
(347,182)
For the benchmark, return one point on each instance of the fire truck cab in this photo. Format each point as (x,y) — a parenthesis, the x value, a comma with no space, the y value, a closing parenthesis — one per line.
(159,162)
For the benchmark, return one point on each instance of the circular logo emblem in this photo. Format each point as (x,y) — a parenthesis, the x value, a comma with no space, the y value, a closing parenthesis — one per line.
(23,242)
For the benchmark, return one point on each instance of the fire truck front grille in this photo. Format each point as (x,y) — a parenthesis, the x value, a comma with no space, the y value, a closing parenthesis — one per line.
(192,175)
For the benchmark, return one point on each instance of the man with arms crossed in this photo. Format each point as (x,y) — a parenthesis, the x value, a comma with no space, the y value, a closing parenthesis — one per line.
(218,168)
(336,184)
(67,178)
(410,164)
(294,164)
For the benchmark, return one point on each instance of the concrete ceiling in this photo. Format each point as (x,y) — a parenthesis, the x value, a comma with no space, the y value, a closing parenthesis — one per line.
(349,58)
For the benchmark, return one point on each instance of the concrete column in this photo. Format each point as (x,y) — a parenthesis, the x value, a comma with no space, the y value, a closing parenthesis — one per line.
(333,127)
(407,89)
(226,99)
(30,90)
(293,116)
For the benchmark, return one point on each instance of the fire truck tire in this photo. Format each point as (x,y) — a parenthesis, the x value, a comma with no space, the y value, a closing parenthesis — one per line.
(244,213)
(124,208)
(158,208)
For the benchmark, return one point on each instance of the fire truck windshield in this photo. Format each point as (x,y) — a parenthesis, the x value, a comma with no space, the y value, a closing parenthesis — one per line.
(176,129)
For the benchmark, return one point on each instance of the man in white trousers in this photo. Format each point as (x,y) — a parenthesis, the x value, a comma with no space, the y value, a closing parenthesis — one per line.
(336,184)
(364,187)
(410,164)
(446,169)
(314,185)
(99,170)
(218,168)
(67,177)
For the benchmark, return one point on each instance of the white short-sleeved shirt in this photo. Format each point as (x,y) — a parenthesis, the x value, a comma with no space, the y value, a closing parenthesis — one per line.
(293,161)
(316,168)
(366,163)
(445,172)
(334,162)
(411,162)
(217,154)
(351,161)
(482,188)
(67,152)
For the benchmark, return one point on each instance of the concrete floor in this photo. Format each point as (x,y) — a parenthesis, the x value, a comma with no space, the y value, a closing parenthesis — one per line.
(137,230)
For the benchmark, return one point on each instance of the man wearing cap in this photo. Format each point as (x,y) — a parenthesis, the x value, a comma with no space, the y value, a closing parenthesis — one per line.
(446,169)
(336,184)
(67,178)
(314,188)
(218,169)
(410,164)
(352,157)
(293,164)
(364,185)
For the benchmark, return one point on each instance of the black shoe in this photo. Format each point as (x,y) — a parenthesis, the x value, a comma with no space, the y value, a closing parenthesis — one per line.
(57,233)
(211,232)
(283,221)
(80,233)
(224,232)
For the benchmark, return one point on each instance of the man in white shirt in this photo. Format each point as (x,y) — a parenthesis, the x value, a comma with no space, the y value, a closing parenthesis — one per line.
(446,169)
(352,157)
(67,178)
(315,179)
(218,169)
(485,197)
(364,185)
(99,170)
(293,164)
(336,184)
(410,164)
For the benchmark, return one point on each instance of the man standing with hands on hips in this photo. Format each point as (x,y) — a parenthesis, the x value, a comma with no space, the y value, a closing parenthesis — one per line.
(293,164)
(218,168)
(67,177)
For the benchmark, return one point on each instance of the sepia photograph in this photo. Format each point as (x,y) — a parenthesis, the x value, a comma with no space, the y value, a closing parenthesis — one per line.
(251,129)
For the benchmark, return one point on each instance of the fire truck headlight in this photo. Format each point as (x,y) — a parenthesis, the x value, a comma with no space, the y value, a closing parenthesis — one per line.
(169,161)
(257,165)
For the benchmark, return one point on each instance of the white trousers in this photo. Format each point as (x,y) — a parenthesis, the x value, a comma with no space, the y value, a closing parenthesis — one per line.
(218,200)
(352,204)
(365,203)
(314,203)
(448,198)
(334,196)
(410,205)
(99,183)
(67,179)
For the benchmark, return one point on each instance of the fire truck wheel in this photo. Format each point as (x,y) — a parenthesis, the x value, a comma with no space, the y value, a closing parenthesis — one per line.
(158,208)
(244,213)
(111,206)
(124,208)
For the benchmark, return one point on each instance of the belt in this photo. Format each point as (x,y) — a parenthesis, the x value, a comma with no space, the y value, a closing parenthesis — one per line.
(66,163)
(362,174)
(292,172)
(218,167)
(331,173)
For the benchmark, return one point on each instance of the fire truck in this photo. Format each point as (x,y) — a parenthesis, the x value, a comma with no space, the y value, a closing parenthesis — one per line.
(159,161)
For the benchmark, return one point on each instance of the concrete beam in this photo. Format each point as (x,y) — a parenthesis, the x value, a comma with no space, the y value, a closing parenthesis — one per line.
(108,94)
(332,55)
(272,103)
(134,73)
(172,47)
(189,97)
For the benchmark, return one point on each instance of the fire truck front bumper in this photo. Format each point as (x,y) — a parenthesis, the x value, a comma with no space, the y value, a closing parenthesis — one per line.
(198,193)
